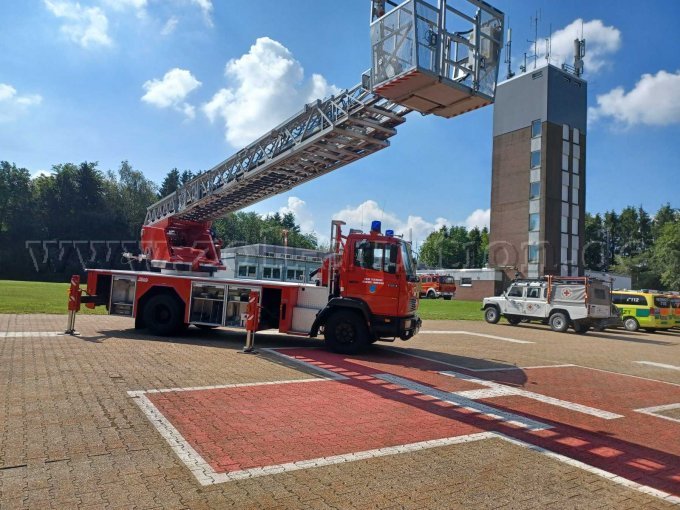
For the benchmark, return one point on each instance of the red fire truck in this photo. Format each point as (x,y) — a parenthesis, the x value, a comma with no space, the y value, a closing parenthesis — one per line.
(367,290)
(434,286)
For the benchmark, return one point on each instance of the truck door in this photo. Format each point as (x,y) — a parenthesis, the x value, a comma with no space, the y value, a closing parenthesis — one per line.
(372,276)
(534,304)
(515,300)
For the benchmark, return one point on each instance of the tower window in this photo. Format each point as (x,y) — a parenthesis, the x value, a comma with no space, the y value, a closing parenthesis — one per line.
(533,254)
(535,190)
(536,128)
(534,222)
(535,159)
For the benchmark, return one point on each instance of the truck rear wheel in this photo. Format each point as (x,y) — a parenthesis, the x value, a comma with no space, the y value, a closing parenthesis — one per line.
(492,315)
(431,294)
(559,322)
(581,328)
(345,332)
(163,315)
(513,319)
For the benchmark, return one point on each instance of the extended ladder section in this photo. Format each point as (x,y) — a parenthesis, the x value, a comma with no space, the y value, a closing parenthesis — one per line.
(324,136)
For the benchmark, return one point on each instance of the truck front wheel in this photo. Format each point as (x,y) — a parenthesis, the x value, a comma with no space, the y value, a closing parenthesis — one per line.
(163,315)
(492,315)
(345,332)
(559,322)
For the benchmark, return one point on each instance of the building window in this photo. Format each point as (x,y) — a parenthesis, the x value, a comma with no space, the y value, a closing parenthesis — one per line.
(466,282)
(535,190)
(294,274)
(574,198)
(574,226)
(271,273)
(533,254)
(565,178)
(565,193)
(565,132)
(577,135)
(535,159)
(536,128)
(575,165)
(565,224)
(565,162)
(534,222)
(247,271)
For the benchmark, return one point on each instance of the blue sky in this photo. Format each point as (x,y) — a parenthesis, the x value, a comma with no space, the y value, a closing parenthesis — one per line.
(148,81)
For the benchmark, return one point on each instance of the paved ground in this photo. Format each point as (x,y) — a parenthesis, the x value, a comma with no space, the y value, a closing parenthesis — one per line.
(467,415)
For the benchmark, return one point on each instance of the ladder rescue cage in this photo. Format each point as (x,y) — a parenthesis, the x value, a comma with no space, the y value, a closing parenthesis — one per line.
(436,56)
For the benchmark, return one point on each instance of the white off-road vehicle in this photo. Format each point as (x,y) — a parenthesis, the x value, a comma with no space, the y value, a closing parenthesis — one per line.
(579,302)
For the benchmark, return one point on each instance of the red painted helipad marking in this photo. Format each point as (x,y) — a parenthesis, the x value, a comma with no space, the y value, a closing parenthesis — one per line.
(387,402)
(240,428)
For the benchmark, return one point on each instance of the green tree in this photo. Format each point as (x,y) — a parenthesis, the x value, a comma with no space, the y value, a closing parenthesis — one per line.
(170,183)
(666,255)
(594,252)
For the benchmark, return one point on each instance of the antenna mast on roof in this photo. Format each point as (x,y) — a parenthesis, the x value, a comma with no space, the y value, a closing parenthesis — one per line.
(508,52)
(548,45)
(534,21)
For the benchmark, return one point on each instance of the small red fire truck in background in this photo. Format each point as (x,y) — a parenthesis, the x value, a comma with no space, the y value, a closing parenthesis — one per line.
(434,286)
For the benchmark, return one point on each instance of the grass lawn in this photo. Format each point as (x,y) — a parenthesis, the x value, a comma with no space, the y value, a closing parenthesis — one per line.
(42,297)
(37,297)
(453,310)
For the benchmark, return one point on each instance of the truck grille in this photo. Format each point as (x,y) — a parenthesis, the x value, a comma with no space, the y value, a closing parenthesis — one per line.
(412,304)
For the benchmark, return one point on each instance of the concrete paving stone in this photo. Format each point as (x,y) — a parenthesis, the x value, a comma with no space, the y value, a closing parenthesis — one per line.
(66,398)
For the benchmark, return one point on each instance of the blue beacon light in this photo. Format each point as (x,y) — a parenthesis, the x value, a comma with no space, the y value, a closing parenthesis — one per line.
(376,226)
(389,233)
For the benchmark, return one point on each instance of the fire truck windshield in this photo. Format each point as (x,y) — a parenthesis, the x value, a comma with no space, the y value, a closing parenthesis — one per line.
(407,260)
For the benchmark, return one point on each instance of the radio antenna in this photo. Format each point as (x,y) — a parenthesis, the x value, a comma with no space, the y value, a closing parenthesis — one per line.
(508,52)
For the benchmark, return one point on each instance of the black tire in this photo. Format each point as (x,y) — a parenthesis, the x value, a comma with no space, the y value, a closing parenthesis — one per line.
(631,324)
(581,329)
(559,322)
(163,315)
(492,315)
(345,332)
(513,319)
(431,295)
(448,298)
(650,330)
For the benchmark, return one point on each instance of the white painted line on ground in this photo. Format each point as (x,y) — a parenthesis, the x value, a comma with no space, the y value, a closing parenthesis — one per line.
(627,375)
(596,471)
(465,403)
(327,374)
(29,334)
(658,365)
(483,335)
(136,393)
(568,365)
(503,390)
(652,411)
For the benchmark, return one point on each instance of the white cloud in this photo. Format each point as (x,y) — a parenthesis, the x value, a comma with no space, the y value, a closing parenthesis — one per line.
(206,7)
(415,227)
(170,25)
(41,173)
(601,42)
(267,85)
(479,218)
(303,216)
(654,101)
(120,5)
(12,105)
(171,91)
(86,26)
